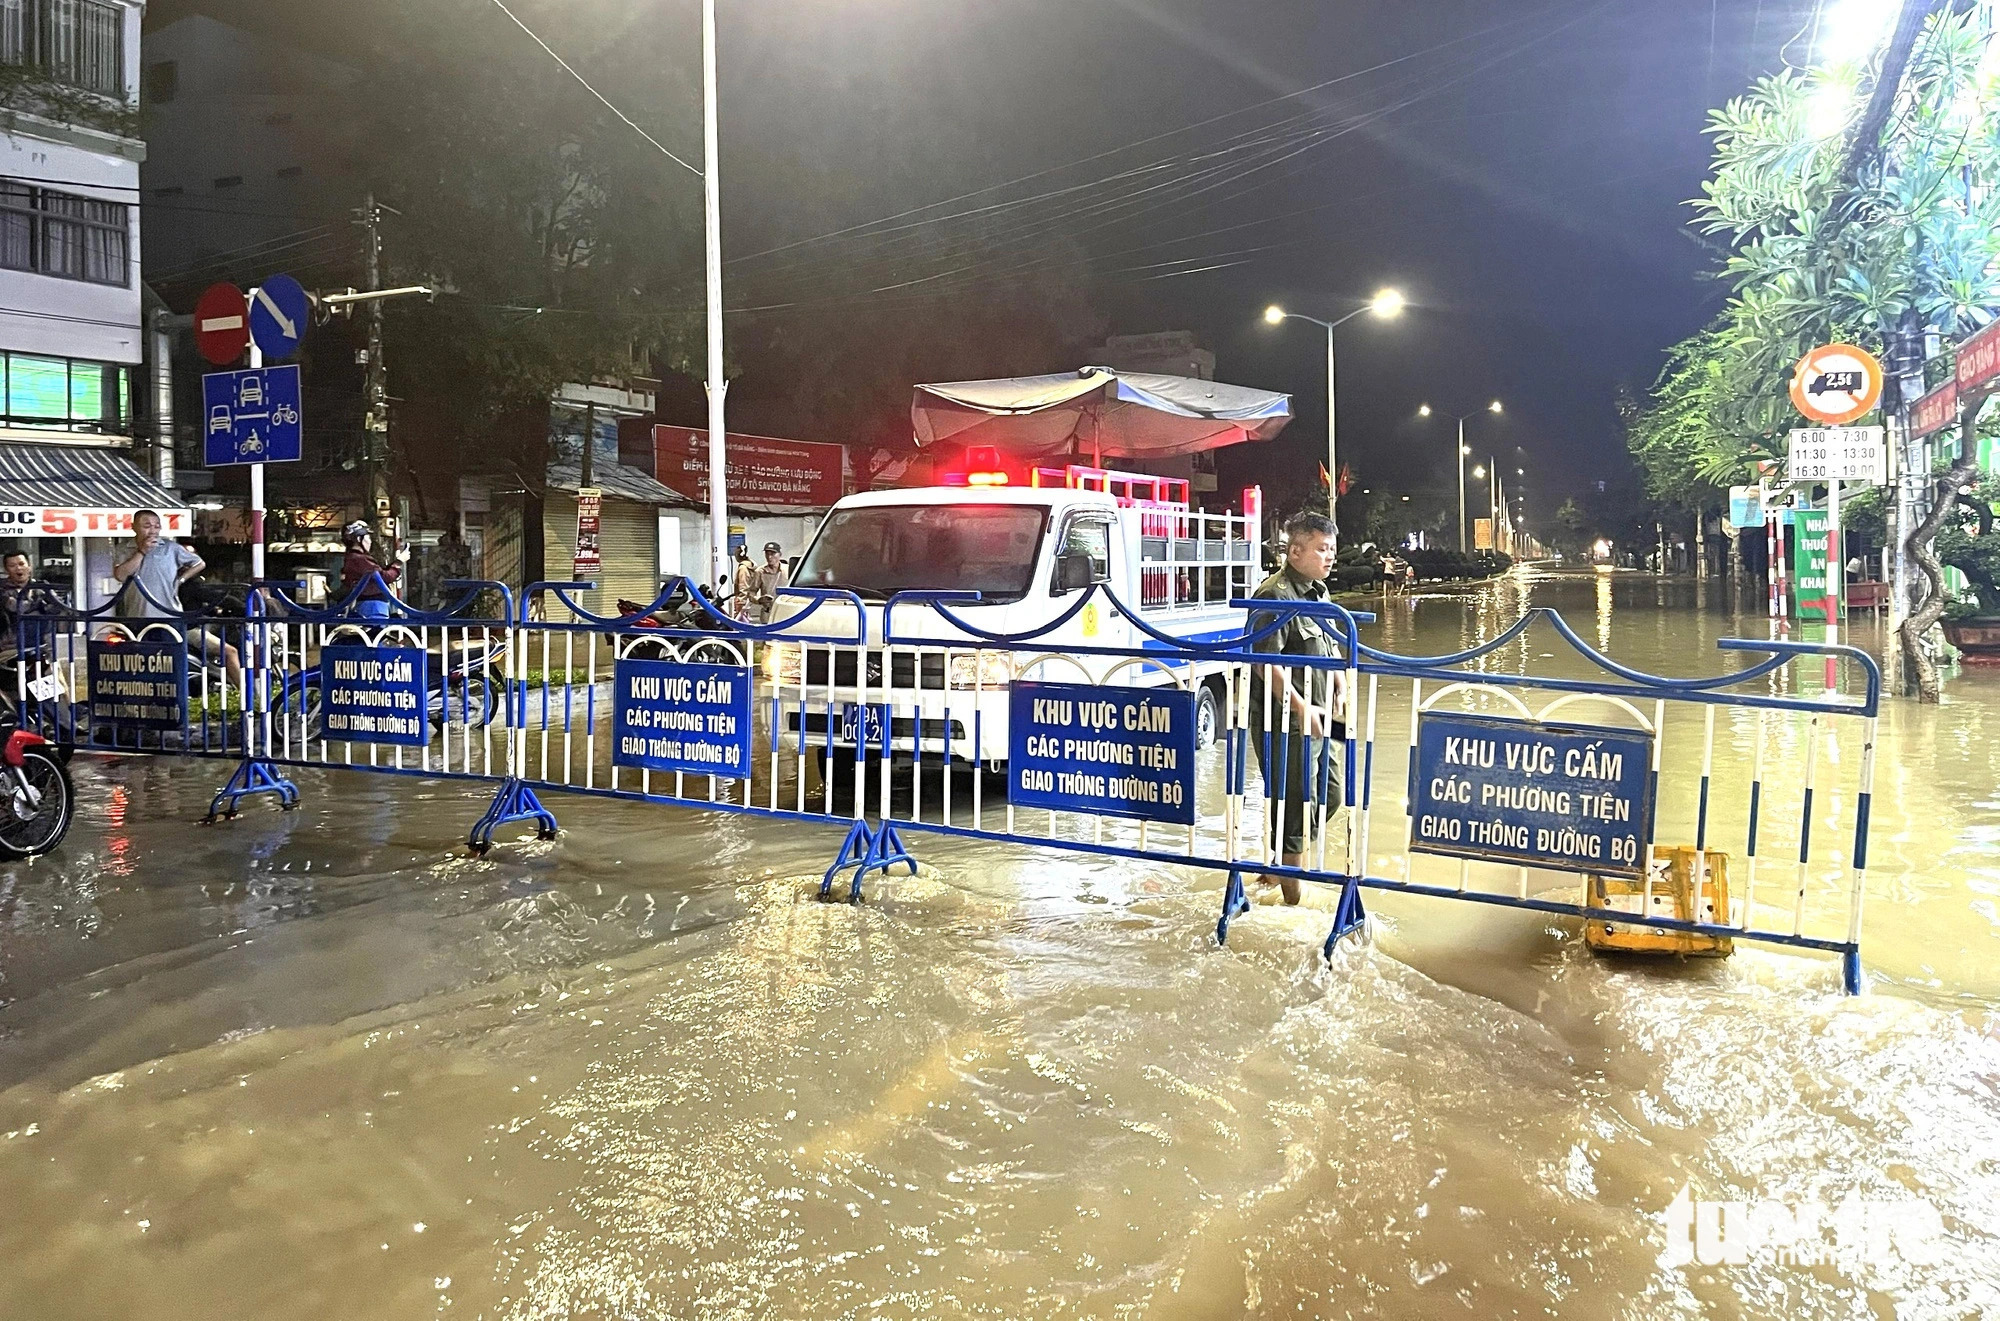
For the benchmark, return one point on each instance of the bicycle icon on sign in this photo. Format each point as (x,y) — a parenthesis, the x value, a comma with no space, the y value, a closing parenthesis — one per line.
(285,415)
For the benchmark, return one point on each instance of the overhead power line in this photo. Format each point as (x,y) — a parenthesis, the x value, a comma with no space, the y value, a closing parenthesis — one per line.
(584,83)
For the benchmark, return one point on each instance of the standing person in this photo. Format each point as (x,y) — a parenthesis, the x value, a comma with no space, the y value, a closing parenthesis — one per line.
(150,571)
(1298,747)
(14,599)
(357,566)
(770,577)
(454,557)
(743,591)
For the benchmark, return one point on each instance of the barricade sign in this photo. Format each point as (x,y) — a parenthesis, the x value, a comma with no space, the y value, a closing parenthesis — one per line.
(1564,797)
(859,724)
(1109,750)
(670,716)
(375,694)
(139,685)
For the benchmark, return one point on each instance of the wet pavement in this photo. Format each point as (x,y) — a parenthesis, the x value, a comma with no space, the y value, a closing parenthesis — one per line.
(322,1064)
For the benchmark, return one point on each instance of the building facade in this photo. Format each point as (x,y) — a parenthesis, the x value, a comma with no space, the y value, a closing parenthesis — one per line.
(73,341)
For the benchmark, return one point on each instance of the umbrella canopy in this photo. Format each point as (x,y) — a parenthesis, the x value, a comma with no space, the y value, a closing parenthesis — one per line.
(1098,412)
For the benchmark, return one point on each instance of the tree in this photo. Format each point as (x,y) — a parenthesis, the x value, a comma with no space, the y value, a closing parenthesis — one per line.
(1967,542)
(1568,530)
(564,243)
(1838,233)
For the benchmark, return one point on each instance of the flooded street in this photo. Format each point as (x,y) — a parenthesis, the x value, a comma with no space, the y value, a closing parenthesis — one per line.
(322,1064)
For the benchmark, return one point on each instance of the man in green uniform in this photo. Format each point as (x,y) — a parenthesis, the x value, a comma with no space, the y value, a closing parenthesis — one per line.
(1302,748)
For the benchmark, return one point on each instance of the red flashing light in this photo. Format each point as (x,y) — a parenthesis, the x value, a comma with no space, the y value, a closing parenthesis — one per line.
(986,479)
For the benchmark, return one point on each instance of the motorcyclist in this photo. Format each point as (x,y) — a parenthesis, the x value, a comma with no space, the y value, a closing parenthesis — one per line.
(360,563)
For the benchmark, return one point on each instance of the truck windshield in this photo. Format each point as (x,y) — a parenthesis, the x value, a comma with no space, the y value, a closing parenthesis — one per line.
(879,550)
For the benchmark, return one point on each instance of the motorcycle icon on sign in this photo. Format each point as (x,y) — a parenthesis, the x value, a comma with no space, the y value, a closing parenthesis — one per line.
(251,444)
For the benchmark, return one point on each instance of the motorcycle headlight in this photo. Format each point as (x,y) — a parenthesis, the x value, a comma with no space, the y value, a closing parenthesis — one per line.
(982,669)
(784,663)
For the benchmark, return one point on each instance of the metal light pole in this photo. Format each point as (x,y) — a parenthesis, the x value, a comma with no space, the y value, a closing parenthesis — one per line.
(718,387)
(1387,303)
(1461,485)
(1424,410)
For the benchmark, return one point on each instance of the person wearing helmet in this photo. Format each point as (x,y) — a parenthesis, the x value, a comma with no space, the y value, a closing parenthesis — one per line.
(359,564)
(743,590)
(771,576)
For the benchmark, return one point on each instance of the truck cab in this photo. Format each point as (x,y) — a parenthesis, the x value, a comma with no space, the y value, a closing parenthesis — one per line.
(1101,551)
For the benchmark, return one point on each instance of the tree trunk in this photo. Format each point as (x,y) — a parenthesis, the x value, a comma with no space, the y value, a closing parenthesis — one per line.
(1944,501)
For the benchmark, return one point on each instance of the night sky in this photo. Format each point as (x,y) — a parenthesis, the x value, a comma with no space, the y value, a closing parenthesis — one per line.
(1521,176)
(1519,171)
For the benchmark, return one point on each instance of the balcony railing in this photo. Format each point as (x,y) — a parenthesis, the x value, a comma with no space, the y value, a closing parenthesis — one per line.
(79,42)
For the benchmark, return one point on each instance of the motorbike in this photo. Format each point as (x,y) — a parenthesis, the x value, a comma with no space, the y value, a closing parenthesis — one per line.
(39,800)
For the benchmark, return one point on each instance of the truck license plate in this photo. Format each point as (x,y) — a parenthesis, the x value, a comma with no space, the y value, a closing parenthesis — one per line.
(851,722)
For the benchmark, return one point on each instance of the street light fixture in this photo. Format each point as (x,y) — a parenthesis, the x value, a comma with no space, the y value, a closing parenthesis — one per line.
(1424,410)
(1386,303)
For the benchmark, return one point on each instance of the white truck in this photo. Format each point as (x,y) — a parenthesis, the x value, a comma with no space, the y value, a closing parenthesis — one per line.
(1030,552)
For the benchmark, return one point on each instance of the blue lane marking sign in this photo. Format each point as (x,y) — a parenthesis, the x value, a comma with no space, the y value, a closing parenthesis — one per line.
(1107,750)
(251,416)
(280,313)
(1565,797)
(667,716)
(138,685)
(374,695)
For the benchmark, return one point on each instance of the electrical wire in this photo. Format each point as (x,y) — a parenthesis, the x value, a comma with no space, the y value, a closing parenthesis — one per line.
(583,83)
(253,251)
(1176,191)
(1141,142)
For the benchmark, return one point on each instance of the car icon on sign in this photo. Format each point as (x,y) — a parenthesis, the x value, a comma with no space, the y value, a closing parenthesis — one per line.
(218,419)
(249,390)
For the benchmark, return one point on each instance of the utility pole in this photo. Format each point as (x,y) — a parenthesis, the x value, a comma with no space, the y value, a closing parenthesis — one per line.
(718,385)
(1461,486)
(375,420)
(1332,449)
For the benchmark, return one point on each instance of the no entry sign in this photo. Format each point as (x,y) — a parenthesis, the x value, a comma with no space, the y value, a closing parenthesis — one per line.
(222,324)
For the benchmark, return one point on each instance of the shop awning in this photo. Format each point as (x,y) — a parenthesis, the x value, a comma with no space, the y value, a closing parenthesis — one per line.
(80,491)
(617,480)
(1113,415)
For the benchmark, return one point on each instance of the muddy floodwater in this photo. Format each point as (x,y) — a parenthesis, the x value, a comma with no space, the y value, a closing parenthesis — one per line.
(324,1065)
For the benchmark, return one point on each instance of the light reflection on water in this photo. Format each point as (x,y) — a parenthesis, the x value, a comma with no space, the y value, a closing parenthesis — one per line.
(322,1064)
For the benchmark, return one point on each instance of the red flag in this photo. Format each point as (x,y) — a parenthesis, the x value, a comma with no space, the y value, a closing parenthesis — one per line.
(1346,479)
(1324,480)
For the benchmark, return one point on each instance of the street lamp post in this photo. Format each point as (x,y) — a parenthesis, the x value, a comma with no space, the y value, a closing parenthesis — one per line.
(718,387)
(1387,303)
(1424,410)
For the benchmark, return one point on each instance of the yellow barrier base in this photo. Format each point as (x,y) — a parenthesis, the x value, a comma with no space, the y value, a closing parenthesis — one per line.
(1673,896)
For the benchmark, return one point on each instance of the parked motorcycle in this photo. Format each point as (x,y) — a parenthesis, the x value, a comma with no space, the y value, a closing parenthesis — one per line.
(39,799)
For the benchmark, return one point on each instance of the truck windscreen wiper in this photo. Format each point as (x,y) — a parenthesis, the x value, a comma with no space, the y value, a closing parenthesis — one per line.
(866,593)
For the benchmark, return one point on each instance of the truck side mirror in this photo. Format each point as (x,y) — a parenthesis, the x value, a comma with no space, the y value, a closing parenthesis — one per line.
(1074,572)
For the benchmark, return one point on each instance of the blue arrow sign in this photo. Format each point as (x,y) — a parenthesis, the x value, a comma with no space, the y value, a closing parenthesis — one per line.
(251,416)
(280,311)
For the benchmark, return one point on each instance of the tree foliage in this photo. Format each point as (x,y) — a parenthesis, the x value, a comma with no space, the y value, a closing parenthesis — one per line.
(565,245)
(1814,257)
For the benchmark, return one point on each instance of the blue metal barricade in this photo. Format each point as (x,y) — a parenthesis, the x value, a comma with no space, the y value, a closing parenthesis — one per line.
(1566,791)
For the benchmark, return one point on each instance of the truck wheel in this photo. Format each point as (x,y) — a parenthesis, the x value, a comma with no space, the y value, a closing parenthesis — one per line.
(1207,717)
